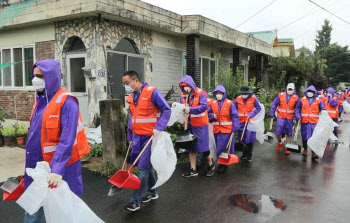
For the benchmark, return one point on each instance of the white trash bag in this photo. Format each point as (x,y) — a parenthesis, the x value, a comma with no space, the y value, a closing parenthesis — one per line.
(257,125)
(60,204)
(322,132)
(163,158)
(212,144)
(346,107)
(177,114)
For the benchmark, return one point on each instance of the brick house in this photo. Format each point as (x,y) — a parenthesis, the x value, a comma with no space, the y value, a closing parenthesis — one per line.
(114,36)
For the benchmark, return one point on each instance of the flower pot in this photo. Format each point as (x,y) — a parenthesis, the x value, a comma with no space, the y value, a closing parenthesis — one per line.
(20,140)
(2,140)
(8,141)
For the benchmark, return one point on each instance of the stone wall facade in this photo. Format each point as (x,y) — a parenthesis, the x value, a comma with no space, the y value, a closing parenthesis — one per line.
(95,35)
(24,103)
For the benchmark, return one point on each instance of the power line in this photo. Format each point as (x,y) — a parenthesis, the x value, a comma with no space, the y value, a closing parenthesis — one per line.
(329,12)
(256,14)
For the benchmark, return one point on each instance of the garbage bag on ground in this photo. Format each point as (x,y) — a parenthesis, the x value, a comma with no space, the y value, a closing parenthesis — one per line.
(212,145)
(177,114)
(95,136)
(322,132)
(163,158)
(257,125)
(346,107)
(60,204)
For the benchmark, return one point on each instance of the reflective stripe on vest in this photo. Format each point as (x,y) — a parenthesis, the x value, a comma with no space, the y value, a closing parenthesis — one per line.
(286,108)
(51,129)
(244,108)
(332,111)
(223,121)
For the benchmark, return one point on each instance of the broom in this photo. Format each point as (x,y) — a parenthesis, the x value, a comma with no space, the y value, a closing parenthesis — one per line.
(11,184)
(224,154)
(270,133)
(293,146)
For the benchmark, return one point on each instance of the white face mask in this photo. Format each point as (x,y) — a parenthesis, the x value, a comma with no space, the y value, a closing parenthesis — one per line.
(310,94)
(219,97)
(329,94)
(38,84)
(290,92)
(187,89)
(244,96)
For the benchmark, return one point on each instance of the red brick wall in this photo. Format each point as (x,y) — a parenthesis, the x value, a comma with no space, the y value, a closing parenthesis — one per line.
(45,50)
(24,102)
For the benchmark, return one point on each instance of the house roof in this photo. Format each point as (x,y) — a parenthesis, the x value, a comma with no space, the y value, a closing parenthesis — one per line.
(266,36)
(285,40)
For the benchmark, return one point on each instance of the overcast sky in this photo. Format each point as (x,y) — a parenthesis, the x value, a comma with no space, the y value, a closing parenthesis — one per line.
(277,15)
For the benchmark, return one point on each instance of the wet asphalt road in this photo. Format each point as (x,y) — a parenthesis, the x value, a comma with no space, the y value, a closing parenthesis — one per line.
(272,188)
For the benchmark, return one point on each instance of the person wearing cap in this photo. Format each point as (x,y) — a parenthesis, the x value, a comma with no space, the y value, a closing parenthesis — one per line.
(223,114)
(198,123)
(149,115)
(308,110)
(331,104)
(285,104)
(341,97)
(248,106)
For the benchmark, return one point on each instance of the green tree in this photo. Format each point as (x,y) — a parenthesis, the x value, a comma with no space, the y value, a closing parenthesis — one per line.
(323,38)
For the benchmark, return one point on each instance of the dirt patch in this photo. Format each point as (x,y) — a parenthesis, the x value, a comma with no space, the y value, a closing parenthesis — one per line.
(92,163)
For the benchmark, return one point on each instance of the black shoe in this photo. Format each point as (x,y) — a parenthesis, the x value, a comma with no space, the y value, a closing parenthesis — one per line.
(210,170)
(221,168)
(149,197)
(133,206)
(191,173)
(246,158)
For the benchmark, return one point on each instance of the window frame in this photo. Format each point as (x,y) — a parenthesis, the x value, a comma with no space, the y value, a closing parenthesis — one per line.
(209,69)
(12,87)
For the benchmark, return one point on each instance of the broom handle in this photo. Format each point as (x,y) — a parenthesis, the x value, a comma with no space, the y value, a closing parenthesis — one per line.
(144,148)
(186,115)
(271,124)
(245,125)
(297,131)
(127,153)
(230,140)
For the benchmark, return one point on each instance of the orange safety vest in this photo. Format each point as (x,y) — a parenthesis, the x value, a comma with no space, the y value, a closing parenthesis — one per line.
(245,108)
(223,122)
(51,129)
(310,113)
(209,102)
(286,109)
(145,115)
(198,119)
(340,99)
(333,112)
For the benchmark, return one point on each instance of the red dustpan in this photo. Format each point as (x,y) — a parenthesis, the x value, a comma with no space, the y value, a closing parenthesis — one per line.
(230,159)
(15,194)
(124,178)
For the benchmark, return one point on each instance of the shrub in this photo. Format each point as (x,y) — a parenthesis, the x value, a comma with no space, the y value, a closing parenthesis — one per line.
(8,131)
(20,130)
(95,151)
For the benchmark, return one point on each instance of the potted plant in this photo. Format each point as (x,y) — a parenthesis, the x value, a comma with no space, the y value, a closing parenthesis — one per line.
(2,119)
(8,133)
(21,132)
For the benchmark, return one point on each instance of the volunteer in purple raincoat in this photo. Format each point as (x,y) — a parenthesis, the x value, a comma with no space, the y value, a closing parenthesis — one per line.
(285,104)
(46,81)
(341,97)
(149,115)
(248,106)
(197,123)
(331,104)
(229,121)
(308,117)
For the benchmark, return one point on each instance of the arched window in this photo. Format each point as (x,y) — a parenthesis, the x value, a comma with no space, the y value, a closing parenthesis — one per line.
(76,45)
(127,46)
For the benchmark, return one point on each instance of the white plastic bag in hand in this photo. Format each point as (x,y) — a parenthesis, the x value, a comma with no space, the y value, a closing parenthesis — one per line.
(322,132)
(60,204)
(212,145)
(346,106)
(257,125)
(177,114)
(163,158)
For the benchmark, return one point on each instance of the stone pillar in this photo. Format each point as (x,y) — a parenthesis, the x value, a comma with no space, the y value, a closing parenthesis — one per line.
(113,130)
(237,59)
(192,58)
(259,67)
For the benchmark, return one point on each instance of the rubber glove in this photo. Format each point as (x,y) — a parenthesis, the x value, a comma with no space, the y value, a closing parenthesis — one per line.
(187,110)
(156,132)
(215,116)
(173,105)
(54,179)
